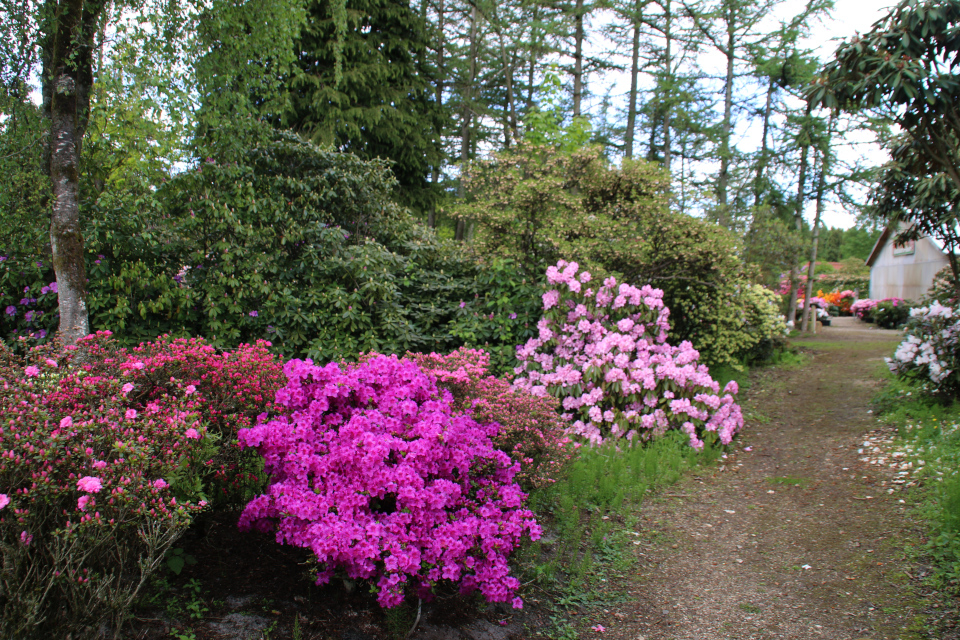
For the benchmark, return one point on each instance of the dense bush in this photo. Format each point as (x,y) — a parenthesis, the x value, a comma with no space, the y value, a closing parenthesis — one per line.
(97,486)
(895,310)
(537,205)
(531,430)
(604,352)
(229,389)
(930,352)
(373,471)
(891,314)
(295,244)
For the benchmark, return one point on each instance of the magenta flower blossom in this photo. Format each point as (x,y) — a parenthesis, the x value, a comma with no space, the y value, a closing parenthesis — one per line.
(253,314)
(4,500)
(11,310)
(190,390)
(31,371)
(66,423)
(193,434)
(89,484)
(25,538)
(84,501)
(160,483)
(53,287)
(130,414)
(127,388)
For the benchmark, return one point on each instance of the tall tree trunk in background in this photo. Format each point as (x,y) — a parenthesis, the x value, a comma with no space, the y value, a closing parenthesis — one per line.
(726,125)
(466,118)
(825,160)
(67,54)
(798,213)
(634,79)
(578,59)
(438,96)
(668,65)
(762,163)
(534,56)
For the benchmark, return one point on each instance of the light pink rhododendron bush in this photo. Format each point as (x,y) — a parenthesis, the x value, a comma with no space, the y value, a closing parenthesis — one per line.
(373,471)
(96,485)
(602,350)
(531,430)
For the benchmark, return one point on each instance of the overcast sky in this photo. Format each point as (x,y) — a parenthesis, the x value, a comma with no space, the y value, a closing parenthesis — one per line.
(849,17)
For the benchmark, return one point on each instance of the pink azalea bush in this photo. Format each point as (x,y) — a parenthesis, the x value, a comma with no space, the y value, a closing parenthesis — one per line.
(604,353)
(531,429)
(373,471)
(930,352)
(229,388)
(95,491)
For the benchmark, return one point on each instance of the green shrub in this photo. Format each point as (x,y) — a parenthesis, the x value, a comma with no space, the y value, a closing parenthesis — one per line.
(891,314)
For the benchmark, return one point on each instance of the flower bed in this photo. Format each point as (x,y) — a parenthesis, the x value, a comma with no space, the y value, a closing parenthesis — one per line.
(604,353)
(96,487)
(373,471)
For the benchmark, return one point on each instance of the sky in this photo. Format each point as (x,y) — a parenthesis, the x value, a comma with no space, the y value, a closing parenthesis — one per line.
(849,17)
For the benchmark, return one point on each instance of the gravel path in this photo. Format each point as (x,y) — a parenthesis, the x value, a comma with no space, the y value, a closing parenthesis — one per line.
(796,538)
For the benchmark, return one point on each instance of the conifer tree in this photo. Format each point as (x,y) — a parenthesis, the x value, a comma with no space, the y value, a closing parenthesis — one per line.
(381,105)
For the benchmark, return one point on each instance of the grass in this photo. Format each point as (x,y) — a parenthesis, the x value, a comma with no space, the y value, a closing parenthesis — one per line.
(929,431)
(590,520)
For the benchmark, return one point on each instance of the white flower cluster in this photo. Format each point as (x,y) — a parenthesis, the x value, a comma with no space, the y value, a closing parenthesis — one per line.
(930,348)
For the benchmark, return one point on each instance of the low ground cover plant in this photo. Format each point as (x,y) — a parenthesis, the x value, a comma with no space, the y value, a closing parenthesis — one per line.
(604,353)
(96,487)
(373,471)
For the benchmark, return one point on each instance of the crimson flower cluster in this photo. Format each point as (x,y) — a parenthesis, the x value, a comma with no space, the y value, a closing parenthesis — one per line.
(605,354)
(374,472)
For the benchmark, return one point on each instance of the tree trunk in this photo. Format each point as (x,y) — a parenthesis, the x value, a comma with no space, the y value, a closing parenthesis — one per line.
(762,164)
(534,57)
(634,78)
(798,214)
(724,177)
(812,264)
(438,96)
(668,65)
(466,118)
(67,52)
(578,59)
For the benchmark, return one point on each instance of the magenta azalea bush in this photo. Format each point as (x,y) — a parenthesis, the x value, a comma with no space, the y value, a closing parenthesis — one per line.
(94,487)
(604,353)
(531,430)
(373,471)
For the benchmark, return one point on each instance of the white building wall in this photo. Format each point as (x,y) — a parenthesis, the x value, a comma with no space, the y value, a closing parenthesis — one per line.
(905,276)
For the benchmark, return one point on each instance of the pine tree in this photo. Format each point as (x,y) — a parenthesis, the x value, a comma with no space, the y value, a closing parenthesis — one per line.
(382,104)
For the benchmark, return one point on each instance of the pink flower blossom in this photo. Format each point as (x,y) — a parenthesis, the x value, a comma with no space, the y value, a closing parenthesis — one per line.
(51,363)
(130,414)
(84,501)
(66,423)
(160,483)
(599,628)
(25,538)
(90,484)
(127,388)
(190,390)
(193,434)
(99,464)
(31,371)
(4,500)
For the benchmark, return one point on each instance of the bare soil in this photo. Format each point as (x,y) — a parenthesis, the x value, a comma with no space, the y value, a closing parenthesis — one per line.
(793,537)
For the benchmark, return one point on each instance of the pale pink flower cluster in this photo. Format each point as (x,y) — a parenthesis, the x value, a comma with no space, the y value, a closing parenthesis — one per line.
(605,355)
